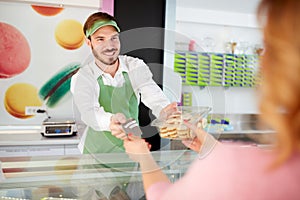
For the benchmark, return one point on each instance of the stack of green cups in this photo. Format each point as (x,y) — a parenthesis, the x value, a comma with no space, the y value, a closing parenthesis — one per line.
(187,99)
(249,70)
(204,69)
(216,73)
(192,68)
(229,67)
(180,65)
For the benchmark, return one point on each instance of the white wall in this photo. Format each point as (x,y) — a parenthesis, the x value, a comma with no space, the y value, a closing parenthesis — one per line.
(221,26)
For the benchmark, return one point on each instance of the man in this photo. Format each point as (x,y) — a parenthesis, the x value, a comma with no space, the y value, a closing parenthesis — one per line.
(107,90)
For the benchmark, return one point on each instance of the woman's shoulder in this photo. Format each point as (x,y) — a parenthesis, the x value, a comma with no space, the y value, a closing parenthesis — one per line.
(242,153)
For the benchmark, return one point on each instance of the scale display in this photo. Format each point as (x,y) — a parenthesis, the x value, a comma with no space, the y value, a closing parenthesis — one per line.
(58,129)
(55,127)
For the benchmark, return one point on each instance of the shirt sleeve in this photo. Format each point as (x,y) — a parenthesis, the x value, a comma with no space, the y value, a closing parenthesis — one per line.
(230,171)
(85,91)
(156,190)
(192,185)
(151,94)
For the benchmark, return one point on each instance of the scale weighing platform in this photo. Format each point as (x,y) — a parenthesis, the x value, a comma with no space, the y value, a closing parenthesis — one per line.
(58,127)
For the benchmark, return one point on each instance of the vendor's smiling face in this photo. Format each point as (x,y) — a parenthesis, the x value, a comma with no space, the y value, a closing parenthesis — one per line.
(106,45)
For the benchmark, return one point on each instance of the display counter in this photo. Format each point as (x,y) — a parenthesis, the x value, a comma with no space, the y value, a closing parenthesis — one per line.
(246,128)
(28,141)
(72,176)
(44,168)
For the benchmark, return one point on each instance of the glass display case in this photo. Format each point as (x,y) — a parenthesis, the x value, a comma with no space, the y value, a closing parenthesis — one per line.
(82,176)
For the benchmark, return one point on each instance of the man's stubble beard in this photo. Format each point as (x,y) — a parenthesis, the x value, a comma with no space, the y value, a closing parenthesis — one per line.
(111,61)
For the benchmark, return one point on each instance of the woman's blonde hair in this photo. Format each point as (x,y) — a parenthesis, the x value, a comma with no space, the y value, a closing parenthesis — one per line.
(280,70)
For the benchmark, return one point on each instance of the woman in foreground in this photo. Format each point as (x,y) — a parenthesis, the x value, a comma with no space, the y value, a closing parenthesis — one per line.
(235,172)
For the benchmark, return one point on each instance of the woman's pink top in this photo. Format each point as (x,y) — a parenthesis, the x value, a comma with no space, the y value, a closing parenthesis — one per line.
(234,172)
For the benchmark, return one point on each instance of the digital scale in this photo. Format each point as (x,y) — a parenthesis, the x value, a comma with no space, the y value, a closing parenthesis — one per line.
(58,127)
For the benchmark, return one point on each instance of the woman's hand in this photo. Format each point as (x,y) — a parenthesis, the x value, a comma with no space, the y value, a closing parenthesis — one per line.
(136,148)
(196,143)
(116,127)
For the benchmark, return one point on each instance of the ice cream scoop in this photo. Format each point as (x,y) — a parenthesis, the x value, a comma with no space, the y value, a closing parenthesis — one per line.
(69,34)
(18,96)
(14,51)
(47,10)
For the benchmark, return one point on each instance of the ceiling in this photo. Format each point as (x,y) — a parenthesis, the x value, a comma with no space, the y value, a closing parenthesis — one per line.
(240,6)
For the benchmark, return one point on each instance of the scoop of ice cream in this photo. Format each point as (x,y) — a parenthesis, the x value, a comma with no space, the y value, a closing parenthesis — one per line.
(69,34)
(18,96)
(14,51)
(47,10)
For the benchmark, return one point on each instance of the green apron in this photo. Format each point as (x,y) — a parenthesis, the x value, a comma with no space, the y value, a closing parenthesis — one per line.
(114,100)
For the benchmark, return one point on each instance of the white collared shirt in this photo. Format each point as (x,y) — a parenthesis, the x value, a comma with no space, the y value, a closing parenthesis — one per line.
(85,90)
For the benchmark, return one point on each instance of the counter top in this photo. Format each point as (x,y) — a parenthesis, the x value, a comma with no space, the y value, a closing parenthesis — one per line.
(35,139)
(243,126)
(31,135)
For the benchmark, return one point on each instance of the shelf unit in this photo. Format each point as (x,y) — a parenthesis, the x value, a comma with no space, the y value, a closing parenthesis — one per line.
(216,69)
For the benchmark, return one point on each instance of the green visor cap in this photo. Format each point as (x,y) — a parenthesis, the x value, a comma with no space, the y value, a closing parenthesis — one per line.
(99,24)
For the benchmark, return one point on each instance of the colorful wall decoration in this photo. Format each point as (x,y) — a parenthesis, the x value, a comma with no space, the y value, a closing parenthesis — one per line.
(39,47)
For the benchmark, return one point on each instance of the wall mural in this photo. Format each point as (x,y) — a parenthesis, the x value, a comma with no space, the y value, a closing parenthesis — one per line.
(40,48)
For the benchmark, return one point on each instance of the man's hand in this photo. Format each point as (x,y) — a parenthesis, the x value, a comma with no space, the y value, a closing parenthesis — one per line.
(168,110)
(116,127)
